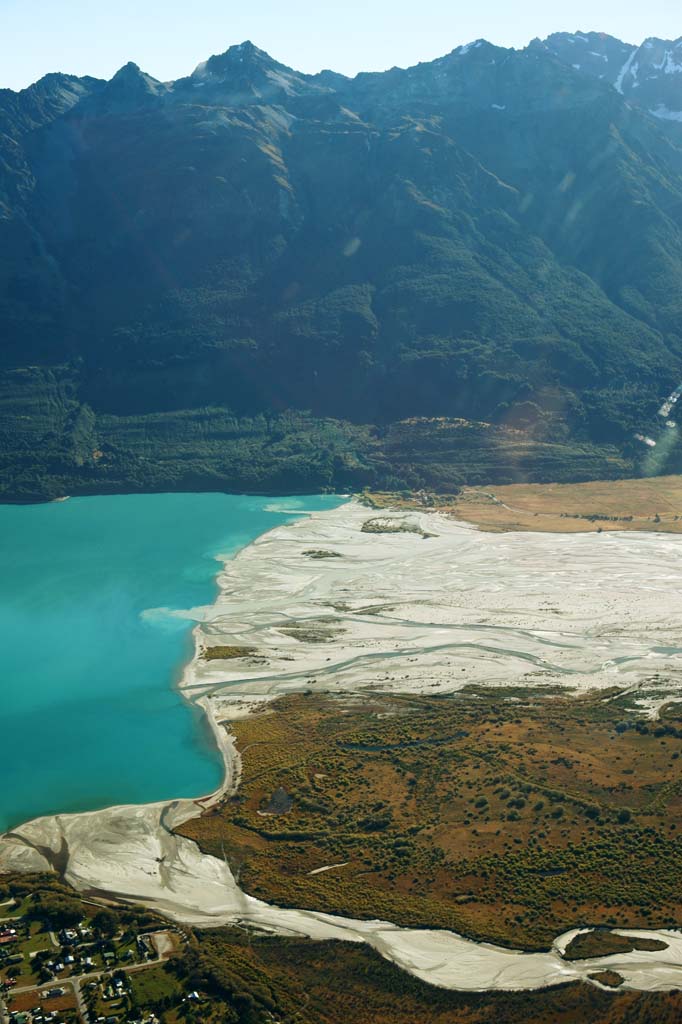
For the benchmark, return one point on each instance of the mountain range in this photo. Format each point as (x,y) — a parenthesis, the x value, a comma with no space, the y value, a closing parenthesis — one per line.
(255,279)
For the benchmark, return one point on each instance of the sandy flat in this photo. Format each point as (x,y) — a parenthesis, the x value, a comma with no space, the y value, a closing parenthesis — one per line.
(395,612)
(436,614)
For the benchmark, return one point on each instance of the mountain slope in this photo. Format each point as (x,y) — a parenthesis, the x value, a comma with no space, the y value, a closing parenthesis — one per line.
(261,279)
(647,75)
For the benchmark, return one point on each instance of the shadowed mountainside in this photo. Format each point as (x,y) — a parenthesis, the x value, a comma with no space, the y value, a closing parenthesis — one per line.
(251,278)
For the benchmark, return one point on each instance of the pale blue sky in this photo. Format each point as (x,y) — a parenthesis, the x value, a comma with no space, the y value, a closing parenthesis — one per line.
(168,38)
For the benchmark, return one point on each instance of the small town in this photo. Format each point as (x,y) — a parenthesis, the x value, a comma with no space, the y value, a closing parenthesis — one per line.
(58,967)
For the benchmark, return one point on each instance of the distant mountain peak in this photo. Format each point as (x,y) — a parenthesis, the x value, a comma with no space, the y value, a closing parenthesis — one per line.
(131,75)
(128,70)
(248,49)
(130,88)
(587,37)
(475,44)
(244,75)
(59,82)
(47,99)
(236,59)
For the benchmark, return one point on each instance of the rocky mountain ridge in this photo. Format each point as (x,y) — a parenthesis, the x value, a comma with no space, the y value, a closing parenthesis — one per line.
(250,272)
(646,74)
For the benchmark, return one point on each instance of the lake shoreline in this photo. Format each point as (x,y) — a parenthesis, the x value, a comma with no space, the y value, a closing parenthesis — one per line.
(98,600)
(123,493)
(130,852)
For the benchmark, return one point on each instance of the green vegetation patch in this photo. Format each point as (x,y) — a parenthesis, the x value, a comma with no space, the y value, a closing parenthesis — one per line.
(611,979)
(499,820)
(228,653)
(249,979)
(604,943)
(154,988)
(388,525)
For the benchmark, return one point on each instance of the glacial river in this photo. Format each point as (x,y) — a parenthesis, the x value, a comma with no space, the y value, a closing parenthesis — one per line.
(92,645)
(606,613)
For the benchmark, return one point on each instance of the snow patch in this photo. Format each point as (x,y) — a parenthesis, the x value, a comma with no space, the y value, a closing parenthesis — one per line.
(618,84)
(666,114)
(470,46)
(671,68)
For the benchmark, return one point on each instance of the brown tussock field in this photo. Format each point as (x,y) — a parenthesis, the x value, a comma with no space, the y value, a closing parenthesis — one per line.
(649,505)
(504,820)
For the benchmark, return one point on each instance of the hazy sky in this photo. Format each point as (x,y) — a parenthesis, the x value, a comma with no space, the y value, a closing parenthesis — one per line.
(168,38)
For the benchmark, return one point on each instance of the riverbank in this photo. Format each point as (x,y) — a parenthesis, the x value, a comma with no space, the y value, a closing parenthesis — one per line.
(351,601)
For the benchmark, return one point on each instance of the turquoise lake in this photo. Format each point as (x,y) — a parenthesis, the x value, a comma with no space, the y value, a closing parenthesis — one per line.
(90,714)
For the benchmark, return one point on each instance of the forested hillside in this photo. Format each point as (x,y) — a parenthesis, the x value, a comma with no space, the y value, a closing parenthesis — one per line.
(254,279)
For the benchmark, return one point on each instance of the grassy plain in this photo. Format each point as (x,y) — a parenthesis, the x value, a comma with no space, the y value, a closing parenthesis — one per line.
(652,504)
(505,820)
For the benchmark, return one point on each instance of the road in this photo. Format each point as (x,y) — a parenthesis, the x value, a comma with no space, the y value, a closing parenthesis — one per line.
(163,943)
